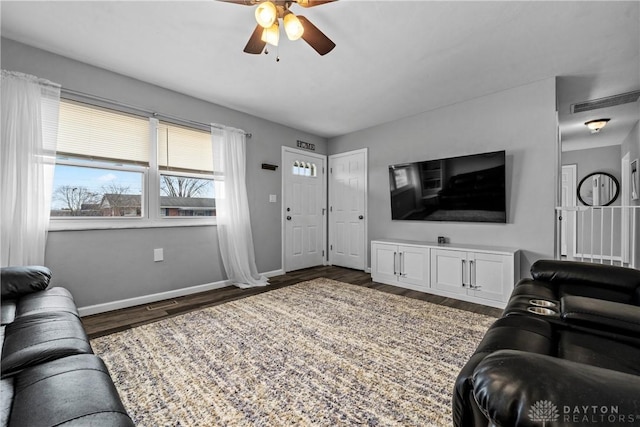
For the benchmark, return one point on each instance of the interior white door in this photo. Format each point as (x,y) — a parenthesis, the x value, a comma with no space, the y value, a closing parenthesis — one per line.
(304,209)
(347,209)
(569,199)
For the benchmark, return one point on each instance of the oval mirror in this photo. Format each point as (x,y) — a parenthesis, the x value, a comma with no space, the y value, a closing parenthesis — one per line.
(598,189)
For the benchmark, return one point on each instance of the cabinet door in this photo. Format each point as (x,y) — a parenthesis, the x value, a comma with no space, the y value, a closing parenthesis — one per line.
(449,270)
(491,276)
(413,265)
(383,262)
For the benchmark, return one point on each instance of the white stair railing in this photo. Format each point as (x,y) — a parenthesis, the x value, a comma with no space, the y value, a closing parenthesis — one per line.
(601,234)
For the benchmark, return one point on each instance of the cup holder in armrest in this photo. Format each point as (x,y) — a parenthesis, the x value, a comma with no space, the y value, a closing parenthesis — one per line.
(542,303)
(542,310)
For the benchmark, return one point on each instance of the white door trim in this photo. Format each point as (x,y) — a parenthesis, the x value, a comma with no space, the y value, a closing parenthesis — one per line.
(283,215)
(366,198)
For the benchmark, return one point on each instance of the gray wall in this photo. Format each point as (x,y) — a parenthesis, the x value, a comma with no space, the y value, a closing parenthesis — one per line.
(101,266)
(600,159)
(104,266)
(521,121)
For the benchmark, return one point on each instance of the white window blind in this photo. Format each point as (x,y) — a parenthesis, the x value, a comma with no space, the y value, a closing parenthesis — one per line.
(186,149)
(98,133)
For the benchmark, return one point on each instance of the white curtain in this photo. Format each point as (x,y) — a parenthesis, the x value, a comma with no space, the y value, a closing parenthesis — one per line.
(27,159)
(232,208)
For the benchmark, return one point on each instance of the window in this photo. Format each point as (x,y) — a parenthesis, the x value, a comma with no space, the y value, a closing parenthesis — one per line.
(102,159)
(185,160)
(304,169)
(109,166)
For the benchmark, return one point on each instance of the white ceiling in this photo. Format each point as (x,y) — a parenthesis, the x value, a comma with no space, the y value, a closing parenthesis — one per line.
(393,58)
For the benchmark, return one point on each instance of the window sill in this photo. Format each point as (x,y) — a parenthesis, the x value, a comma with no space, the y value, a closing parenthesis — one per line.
(125,223)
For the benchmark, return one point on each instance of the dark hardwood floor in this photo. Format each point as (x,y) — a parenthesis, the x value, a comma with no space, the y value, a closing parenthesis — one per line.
(106,323)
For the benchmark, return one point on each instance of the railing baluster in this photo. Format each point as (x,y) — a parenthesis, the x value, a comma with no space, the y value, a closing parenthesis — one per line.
(634,237)
(591,246)
(582,235)
(602,210)
(611,234)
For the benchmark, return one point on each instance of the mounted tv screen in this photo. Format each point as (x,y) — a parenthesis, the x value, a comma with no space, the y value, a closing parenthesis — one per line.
(466,188)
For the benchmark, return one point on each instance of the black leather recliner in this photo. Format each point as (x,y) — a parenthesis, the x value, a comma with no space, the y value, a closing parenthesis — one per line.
(50,376)
(566,351)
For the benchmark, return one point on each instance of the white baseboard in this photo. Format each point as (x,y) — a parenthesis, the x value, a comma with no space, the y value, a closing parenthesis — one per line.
(273,273)
(160,296)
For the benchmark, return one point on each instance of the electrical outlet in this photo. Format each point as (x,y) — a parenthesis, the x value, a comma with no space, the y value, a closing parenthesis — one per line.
(158,255)
(273,198)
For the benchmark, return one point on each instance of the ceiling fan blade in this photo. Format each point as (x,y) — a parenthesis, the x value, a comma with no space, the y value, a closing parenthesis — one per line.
(311,3)
(316,38)
(241,2)
(255,44)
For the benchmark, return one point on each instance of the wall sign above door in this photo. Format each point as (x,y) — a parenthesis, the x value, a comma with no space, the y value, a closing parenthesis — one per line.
(306,145)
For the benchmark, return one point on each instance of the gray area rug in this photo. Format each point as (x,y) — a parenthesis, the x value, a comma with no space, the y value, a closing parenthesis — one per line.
(319,353)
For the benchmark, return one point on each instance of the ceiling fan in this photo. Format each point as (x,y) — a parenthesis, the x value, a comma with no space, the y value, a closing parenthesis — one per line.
(268,12)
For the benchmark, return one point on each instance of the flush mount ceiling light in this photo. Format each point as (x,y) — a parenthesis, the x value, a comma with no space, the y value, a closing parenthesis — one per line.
(267,15)
(596,125)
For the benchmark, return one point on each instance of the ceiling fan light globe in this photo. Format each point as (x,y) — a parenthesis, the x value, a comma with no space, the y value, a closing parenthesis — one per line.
(293,27)
(271,35)
(266,14)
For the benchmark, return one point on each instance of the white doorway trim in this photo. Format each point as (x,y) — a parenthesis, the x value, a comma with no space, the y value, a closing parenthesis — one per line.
(283,202)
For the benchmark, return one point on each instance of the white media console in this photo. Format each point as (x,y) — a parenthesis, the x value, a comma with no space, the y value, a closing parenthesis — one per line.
(475,273)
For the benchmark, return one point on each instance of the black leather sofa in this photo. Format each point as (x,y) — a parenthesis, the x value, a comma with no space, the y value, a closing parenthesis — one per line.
(50,376)
(566,352)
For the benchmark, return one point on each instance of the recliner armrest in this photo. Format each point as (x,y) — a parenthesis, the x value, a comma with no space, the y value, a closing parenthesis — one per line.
(599,314)
(586,274)
(519,388)
(19,281)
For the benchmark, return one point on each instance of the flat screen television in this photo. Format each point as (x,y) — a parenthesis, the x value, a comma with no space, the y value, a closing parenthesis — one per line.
(465,188)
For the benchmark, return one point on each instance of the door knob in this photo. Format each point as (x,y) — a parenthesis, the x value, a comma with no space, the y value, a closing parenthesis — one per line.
(288,218)
(360,216)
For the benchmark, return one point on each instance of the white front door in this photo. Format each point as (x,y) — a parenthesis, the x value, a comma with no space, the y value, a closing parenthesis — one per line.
(304,206)
(347,209)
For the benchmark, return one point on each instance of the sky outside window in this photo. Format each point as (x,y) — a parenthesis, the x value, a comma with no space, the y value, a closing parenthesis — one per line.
(98,181)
